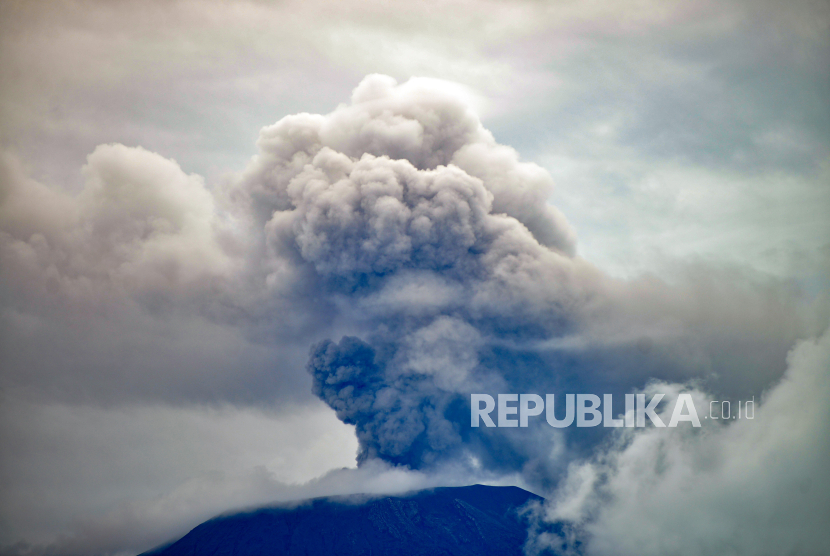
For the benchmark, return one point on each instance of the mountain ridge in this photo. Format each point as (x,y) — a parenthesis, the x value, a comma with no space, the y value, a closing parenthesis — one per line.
(474,520)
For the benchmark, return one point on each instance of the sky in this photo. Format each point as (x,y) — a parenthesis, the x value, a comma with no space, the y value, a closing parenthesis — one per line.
(259,251)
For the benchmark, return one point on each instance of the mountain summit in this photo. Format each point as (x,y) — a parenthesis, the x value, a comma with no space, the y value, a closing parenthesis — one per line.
(474,520)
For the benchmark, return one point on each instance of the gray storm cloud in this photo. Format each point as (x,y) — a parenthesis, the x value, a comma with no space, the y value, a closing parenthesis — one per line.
(139,224)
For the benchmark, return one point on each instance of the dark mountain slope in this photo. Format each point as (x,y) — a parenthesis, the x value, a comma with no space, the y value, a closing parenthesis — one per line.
(464,521)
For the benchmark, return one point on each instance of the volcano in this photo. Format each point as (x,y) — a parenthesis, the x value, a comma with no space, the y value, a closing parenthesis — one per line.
(473,520)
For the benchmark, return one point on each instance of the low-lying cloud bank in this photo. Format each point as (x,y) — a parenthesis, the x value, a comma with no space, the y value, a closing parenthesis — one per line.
(417,257)
(754,486)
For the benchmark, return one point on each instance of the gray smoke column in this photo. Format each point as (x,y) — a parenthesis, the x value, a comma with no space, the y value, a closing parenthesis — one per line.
(425,230)
(399,420)
(438,247)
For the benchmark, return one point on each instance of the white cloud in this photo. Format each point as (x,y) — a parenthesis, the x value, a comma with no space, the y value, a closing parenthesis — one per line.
(752,486)
(134,475)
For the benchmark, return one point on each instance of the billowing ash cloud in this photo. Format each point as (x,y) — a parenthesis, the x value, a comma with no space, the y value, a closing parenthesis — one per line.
(458,276)
(422,122)
(401,421)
